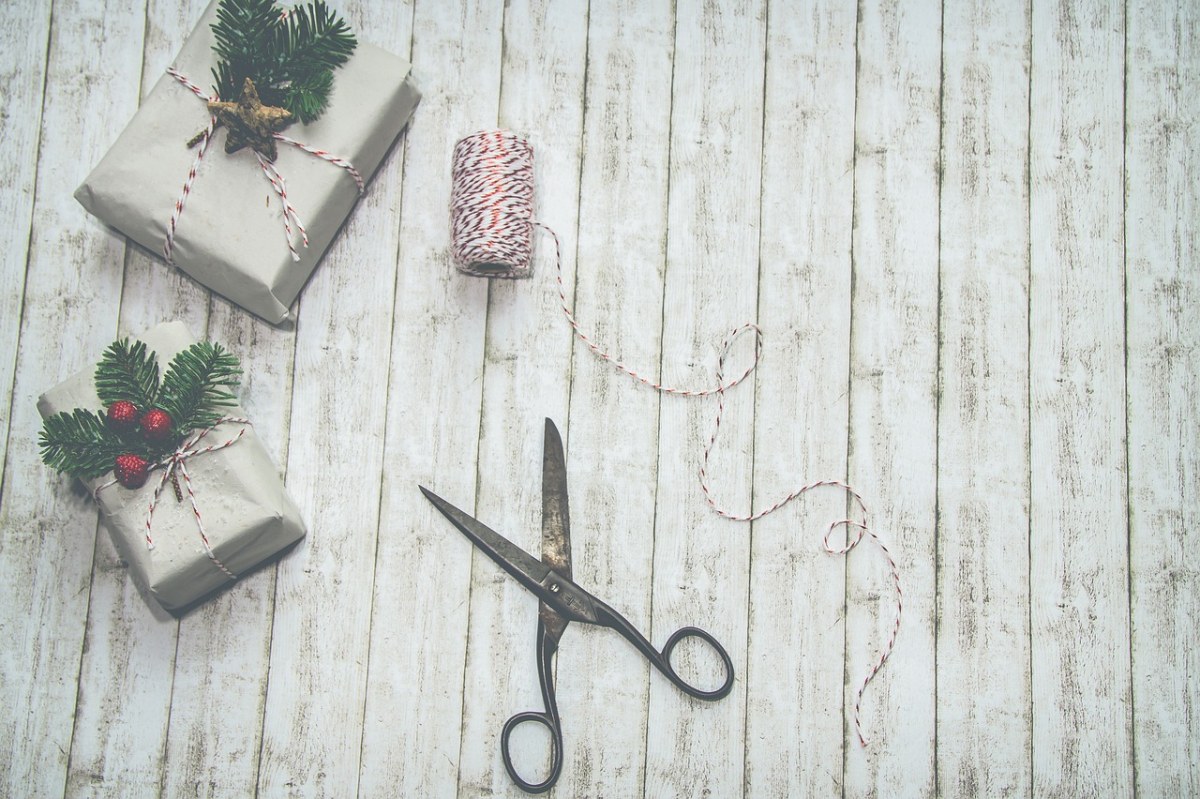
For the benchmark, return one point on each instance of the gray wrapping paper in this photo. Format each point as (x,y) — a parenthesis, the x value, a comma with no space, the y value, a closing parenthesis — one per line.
(230,236)
(247,515)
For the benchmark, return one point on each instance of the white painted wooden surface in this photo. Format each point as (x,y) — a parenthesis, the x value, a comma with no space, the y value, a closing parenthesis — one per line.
(969,232)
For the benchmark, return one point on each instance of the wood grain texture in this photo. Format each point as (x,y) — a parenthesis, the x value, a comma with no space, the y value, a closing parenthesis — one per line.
(72,294)
(23,43)
(1078,544)
(701,562)
(223,646)
(414,705)
(223,649)
(795,656)
(125,704)
(316,689)
(526,379)
(1162,242)
(983,724)
(617,296)
(968,233)
(893,392)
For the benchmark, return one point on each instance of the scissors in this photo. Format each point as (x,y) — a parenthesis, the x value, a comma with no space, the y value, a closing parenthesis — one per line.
(561,602)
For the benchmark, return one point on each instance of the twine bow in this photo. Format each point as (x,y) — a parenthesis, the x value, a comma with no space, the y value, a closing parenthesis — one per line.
(269,171)
(175,463)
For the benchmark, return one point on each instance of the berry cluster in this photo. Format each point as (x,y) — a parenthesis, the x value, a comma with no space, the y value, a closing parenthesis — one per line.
(144,418)
(130,468)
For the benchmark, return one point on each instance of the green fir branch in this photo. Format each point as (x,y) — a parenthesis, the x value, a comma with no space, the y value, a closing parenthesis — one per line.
(307,99)
(194,392)
(312,38)
(194,388)
(290,57)
(243,30)
(82,444)
(127,372)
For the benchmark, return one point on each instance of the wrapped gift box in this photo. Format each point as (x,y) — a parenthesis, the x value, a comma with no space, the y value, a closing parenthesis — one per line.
(230,235)
(247,516)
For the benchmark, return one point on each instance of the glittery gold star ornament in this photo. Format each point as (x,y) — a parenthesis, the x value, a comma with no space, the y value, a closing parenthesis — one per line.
(250,123)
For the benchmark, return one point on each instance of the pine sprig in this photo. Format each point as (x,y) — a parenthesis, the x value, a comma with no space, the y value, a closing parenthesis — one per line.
(315,38)
(243,29)
(307,99)
(194,392)
(289,56)
(82,444)
(194,388)
(125,372)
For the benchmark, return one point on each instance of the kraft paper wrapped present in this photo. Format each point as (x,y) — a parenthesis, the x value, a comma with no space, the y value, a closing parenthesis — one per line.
(230,235)
(245,512)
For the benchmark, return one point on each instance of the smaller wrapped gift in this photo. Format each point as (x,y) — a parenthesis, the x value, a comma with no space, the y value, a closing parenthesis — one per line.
(189,495)
(234,188)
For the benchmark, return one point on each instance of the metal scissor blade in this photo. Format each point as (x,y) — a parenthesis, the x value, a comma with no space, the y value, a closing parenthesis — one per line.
(556,523)
(529,571)
(556,517)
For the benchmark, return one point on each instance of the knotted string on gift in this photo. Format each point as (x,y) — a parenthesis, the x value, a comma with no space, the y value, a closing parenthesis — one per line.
(492,224)
(176,462)
(272,175)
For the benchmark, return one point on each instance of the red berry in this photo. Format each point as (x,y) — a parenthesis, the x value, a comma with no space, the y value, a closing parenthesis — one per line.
(156,424)
(131,470)
(122,414)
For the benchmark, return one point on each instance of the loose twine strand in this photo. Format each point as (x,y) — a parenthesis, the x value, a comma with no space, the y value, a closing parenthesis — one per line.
(177,462)
(492,224)
(273,176)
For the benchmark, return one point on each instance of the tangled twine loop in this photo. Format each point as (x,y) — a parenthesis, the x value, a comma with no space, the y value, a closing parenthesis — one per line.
(492,224)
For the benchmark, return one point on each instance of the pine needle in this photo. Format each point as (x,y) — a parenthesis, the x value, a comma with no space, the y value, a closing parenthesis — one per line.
(290,57)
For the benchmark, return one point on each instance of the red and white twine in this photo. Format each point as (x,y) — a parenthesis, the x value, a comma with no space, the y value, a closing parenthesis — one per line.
(325,155)
(491,204)
(289,211)
(273,176)
(492,223)
(205,138)
(177,462)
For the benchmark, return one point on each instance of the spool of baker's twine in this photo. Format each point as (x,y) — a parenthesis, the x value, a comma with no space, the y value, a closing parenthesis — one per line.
(491,205)
(492,227)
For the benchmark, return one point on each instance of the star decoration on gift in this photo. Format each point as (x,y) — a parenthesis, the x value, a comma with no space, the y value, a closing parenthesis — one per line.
(250,123)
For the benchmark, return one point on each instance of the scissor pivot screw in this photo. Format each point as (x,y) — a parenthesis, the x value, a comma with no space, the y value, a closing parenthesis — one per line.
(554,588)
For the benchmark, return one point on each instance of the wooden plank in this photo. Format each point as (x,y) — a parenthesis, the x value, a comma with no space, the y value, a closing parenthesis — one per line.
(1078,547)
(893,393)
(219,688)
(223,650)
(224,646)
(794,722)
(127,671)
(23,49)
(1136,736)
(526,372)
(984,694)
(216,690)
(702,562)
(155,292)
(1162,122)
(418,644)
(613,448)
(70,313)
(317,684)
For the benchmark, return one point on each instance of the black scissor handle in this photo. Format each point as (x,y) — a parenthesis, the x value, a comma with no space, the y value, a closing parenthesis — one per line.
(545,653)
(669,670)
(556,750)
(608,617)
